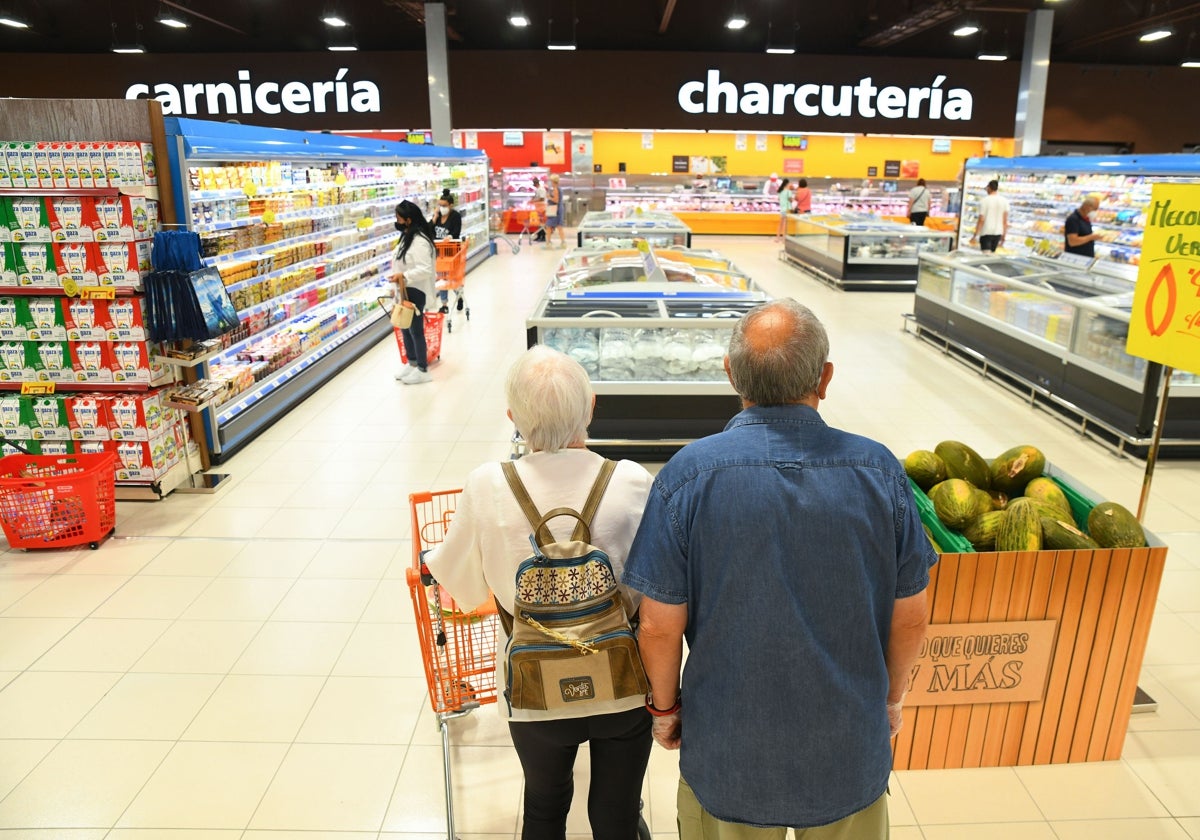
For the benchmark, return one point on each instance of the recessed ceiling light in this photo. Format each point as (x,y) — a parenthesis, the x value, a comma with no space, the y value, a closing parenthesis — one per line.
(781,50)
(1190,63)
(173,21)
(558,46)
(1155,35)
(983,56)
(737,21)
(964,31)
(342,48)
(133,49)
(518,19)
(335,21)
(15,23)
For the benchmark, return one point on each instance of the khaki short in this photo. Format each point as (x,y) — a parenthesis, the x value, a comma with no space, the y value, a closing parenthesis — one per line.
(695,823)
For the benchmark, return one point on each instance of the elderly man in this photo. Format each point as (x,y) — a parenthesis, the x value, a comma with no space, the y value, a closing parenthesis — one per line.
(1078,229)
(792,558)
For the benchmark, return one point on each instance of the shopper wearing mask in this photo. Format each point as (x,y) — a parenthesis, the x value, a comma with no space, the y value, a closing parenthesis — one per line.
(414,274)
(447,222)
(550,402)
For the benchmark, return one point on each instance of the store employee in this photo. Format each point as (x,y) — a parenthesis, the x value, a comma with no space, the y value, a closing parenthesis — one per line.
(1078,229)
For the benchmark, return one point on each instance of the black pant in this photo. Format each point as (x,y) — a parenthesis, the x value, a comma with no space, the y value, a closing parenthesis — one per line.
(414,336)
(917,218)
(989,243)
(620,748)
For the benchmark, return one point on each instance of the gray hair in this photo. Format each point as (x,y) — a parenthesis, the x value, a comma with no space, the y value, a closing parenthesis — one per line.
(784,371)
(550,397)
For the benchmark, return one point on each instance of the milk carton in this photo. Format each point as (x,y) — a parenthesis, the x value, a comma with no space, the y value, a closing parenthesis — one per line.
(72,219)
(95,153)
(55,447)
(122,218)
(41,158)
(49,418)
(86,320)
(124,262)
(92,362)
(70,165)
(45,320)
(16,418)
(37,265)
(8,265)
(14,318)
(126,320)
(149,164)
(77,154)
(51,360)
(28,219)
(79,262)
(141,460)
(27,155)
(130,362)
(14,365)
(88,417)
(137,416)
(12,162)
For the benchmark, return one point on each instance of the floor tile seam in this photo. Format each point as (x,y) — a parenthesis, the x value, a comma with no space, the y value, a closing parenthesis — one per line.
(78,621)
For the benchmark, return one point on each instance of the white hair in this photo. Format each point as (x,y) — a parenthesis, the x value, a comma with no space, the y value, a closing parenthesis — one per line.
(550,397)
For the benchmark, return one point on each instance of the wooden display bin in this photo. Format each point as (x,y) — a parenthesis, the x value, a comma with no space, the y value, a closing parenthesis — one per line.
(1031,657)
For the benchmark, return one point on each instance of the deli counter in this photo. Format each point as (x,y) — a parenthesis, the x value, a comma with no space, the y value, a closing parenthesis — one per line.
(1057,328)
(620,229)
(858,252)
(651,327)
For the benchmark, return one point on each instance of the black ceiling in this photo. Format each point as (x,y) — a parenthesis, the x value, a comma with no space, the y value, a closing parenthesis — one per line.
(1089,31)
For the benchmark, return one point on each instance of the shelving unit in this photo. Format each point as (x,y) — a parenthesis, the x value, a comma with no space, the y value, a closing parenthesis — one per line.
(514,199)
(300,227)
(1042,192)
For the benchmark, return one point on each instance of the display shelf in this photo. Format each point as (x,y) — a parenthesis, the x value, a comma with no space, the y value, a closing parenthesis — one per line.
(316,236)
(196,361)
(105,387)
(59,291)
(94,192)
(286,215)
(227,410)
(311,261)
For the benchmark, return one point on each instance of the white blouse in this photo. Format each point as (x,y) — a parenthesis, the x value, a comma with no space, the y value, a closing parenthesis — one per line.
(488,537)
(417,265)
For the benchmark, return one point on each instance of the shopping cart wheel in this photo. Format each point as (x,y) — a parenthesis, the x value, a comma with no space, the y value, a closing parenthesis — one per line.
(93,545)
(643,829)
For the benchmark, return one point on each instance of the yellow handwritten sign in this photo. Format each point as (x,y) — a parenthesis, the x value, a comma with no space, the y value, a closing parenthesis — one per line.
(1164,325)
(97,293)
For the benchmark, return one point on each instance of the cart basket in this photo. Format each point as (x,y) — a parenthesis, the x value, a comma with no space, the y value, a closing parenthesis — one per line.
(51,501)
(433,337)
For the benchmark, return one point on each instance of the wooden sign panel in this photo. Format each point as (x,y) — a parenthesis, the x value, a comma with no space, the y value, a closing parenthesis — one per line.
(985,662)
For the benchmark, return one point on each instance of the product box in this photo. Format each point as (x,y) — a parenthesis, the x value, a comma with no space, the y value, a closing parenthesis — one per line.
(12,162)
(86,320)
(28,219)
(36,264)
(72,219)
(44,319)
(143,460)
(149,165)
(8,265)
(51,360)
(15,366)
(93,447)
(124,262)
(126,319)
(130,361)
(88,416)
(5,176)
(6,223)
(14,315)
(92,362)
(79,262)
(41,159)
(58,172)
(16,416)
(138,416)
(76,158)
(95,154)
(27,154)
(49,418)
(70,165)
(123,218)
(53,447)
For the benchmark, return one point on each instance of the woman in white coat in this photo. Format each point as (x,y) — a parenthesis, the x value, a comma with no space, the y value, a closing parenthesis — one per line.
(414,274)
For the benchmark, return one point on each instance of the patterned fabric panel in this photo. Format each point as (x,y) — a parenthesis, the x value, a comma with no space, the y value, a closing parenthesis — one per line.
(565,585)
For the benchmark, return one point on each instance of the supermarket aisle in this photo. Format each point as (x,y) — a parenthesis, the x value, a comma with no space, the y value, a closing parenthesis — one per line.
(244,665)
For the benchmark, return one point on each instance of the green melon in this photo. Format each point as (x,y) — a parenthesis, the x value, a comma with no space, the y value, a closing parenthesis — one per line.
(956,502)
(964,462)
(1046,490)
(1015,468)
(982,530)
(1113,526)
(925,468)
(1021,529)
(1057,534)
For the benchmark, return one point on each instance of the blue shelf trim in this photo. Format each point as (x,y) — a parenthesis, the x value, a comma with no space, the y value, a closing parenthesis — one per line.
(1095,164)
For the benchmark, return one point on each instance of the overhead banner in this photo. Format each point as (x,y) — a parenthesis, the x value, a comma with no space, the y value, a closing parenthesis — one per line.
(1164,325)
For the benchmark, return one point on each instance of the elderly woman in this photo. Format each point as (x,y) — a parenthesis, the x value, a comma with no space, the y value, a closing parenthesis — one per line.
(550,401)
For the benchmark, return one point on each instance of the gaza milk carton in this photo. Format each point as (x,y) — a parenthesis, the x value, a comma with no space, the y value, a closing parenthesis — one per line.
(16,417)
(86,320)
(92,362)
(52,361)
(36,264)
(44,319)
(138,416)
(49,417)
(14,317)
(87,416)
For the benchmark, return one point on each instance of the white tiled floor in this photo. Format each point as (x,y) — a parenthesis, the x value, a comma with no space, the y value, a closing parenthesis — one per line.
(245,666)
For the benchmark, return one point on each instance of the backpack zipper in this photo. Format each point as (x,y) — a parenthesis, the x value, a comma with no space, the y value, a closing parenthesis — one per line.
(569,614)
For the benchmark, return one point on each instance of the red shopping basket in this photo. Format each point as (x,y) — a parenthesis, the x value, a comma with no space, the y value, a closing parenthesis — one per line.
(51,501)
(433,337)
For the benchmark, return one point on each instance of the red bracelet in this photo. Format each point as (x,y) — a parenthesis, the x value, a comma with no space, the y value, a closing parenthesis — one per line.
(657,712)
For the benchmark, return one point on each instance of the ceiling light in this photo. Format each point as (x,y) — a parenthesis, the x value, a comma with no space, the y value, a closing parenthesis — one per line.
(965,30)
(781,50)
(171,19)
(130,49)
(14,22)
(560,46)
(1190,63)
(560,43)
(518,19)
(1155,35)
(737,21)
(992,56)
(335,21)
(342,48)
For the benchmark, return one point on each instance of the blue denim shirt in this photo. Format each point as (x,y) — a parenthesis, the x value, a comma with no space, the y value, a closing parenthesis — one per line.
(789,541)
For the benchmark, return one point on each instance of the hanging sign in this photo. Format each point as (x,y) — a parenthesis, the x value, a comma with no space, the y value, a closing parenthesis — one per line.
(793,166)
(1164,325)
(848,144)
(891,169)
(739,142)
(760,142)
(679,163)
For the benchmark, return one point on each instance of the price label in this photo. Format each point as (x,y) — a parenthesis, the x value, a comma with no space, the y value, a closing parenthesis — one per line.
(268,217)
(250,189)
(1164,325)
(70,287)
(340,180)
(98,293)
(365,223)
(35,389)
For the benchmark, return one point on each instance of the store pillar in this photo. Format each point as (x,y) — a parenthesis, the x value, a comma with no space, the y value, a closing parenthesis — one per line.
(439,73)
(1035,70)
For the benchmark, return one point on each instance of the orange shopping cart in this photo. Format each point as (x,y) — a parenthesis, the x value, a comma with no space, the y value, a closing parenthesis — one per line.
(458,647)
(451,268)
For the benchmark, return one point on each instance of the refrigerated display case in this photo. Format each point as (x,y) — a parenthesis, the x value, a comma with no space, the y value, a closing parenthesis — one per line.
(600,229)
(651,327)
(300,227)
(1056,330)
(861,252)
(1043,191)
(515,198)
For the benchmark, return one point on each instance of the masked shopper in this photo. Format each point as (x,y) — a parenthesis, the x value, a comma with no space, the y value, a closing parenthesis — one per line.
(414,275)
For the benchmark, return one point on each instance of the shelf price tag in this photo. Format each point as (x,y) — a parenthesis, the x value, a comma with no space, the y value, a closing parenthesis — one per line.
(250,189)
(1164,325)
(98,293)
(36,389)
(366,223)
(340,180)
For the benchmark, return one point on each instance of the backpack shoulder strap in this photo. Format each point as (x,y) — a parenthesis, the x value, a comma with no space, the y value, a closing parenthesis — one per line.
(583,528)
(536,522)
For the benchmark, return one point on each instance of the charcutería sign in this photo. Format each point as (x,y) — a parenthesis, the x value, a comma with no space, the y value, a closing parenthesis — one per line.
(864,99)
(992,662)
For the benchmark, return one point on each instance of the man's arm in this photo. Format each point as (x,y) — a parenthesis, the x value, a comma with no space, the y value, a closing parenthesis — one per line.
(910,616)
(1004,234)
(660,641)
